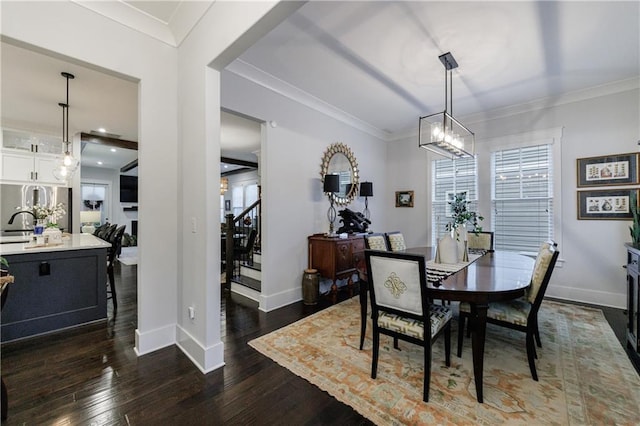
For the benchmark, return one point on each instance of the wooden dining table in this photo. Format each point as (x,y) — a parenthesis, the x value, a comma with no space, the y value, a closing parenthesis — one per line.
(495,276)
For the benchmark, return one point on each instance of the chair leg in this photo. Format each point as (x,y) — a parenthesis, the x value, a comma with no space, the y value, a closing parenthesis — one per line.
(112,286)
(537,334)
(374,358)
(531,349)
(461,321)
(447,344)
(363,312)
(427,370)
(395,343)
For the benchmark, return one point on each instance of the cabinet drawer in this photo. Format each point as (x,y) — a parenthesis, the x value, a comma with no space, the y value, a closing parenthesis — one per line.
(343,256)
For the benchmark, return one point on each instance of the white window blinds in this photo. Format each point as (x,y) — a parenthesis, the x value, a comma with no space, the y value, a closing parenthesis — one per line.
(522,197)
(451,176)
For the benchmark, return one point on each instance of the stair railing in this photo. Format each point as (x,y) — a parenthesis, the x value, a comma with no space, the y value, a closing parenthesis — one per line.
(237,232)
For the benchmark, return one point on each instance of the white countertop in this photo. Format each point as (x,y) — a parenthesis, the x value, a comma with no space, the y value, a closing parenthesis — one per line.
(69,242)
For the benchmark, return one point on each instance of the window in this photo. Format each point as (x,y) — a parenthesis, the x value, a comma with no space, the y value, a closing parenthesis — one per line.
(237,200)
(450,177)
(522,197)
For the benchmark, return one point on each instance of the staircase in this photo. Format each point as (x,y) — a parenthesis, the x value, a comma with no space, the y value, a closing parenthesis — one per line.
(248,282)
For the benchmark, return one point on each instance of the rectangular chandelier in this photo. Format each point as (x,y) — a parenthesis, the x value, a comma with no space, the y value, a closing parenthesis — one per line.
(441,132)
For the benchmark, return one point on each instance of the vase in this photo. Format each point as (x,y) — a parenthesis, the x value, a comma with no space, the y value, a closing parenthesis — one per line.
(38,228)
(448,249)
(461,241)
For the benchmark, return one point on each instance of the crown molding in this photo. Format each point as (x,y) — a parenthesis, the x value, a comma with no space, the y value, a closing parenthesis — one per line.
(249,72)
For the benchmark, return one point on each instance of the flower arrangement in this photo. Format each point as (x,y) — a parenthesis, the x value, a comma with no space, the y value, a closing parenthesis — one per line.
(52,213)
(461,215)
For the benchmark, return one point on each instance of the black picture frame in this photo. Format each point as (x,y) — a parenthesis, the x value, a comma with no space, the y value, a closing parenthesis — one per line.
(618,169)
(605,204)
(227,205)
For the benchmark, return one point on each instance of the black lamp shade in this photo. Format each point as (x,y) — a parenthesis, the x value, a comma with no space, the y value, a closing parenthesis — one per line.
(366,189)
(331,183)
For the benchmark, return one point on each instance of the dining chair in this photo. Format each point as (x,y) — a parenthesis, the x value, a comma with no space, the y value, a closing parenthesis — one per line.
(395,241)
(480,240)
(521,314)
(376,241)
(401,309)
(373,241)
(242,252)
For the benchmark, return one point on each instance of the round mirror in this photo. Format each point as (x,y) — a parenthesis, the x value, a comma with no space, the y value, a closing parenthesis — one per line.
(338,159)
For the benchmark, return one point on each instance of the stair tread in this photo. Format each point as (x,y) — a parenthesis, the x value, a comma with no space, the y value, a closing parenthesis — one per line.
(255,265)
(248,282)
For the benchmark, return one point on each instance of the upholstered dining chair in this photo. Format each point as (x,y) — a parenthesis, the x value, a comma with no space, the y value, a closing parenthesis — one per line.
(376,241)
(395,241)
(401,309)
(480,241)
(521,314)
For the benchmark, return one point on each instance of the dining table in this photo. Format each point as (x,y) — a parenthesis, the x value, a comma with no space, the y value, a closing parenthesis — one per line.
(495,276)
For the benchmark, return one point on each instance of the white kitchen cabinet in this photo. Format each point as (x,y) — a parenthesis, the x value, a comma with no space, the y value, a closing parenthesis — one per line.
(19,167)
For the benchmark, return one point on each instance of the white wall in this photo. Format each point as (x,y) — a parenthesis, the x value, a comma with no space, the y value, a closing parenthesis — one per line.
(592,251)
(55,26)
(294,206)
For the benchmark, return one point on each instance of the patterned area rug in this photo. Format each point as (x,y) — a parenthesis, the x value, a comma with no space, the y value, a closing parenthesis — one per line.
(585,375)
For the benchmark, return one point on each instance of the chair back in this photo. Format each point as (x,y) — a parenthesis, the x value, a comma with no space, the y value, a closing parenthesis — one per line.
(542,270)
(397,284)
(116,243)
(251,240)
(376,241)
(480,240)
(395,241)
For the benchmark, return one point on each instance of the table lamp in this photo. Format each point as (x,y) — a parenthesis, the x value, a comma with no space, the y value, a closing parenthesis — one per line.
(366,190)
(330,187)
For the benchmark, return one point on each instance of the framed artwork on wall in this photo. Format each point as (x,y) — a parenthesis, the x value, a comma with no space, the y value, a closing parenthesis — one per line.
(404,198)
(227,205)
(619,169)
(610,204)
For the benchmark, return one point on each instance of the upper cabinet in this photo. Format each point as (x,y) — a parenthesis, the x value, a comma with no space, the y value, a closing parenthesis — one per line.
(29,157)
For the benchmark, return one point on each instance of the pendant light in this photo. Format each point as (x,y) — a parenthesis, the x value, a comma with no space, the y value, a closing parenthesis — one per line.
(441,132)
(69,164)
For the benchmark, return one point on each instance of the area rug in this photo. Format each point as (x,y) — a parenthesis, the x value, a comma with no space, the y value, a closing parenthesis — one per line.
(585,377)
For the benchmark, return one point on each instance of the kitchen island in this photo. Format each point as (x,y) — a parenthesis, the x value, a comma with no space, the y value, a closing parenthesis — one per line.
(56,286)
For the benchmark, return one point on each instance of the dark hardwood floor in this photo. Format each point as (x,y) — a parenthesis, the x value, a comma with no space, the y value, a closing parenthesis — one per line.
(91,375)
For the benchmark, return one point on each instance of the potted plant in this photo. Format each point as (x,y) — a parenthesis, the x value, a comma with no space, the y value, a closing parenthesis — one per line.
(461,215)
(635,227)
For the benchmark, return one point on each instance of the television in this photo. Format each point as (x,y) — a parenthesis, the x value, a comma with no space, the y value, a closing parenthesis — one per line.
(128,189)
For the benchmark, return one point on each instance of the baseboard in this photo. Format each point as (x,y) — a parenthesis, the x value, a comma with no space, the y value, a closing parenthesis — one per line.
(593,297)
(153,340)
(278,300)
(206,359)
(245,291)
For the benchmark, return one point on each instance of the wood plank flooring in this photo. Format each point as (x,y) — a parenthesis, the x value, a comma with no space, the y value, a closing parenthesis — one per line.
(91,375)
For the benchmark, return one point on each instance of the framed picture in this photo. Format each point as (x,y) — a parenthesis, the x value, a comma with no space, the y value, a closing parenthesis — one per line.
(620,169)
(404,198)
(450,196)
(227,205)
(610,204)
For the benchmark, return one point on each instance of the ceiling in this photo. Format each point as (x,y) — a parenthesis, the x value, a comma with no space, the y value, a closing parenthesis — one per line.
(372,64)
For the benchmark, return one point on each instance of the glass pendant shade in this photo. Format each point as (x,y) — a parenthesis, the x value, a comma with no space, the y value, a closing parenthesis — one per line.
(69,164)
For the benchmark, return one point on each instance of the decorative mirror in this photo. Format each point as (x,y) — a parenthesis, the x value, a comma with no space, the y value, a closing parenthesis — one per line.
(339,159)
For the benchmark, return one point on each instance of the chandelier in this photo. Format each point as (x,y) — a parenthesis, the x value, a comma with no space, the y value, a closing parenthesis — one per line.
(224,185)
(69,164)
(441,132)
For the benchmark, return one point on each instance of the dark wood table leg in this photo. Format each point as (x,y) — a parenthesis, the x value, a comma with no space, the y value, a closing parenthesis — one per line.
(363,311)
(478,326)
(334,292)
(5,402)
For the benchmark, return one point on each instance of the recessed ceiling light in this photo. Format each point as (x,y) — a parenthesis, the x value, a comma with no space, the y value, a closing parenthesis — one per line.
(100,163)
(102,130)
(113,150)
(226,166)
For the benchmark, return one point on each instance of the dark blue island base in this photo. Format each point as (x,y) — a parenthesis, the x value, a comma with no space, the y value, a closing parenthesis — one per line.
(54,290)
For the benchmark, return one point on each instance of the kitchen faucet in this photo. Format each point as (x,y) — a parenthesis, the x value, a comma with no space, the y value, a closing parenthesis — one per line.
(13,216)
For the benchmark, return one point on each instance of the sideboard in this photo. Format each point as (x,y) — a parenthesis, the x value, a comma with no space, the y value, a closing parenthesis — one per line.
(633,303)
(336,258)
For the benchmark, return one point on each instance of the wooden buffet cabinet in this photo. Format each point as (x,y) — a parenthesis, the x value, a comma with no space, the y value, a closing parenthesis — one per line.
(336,258)
(633,303)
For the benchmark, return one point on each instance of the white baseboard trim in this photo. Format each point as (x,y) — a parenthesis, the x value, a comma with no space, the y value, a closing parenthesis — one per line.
(245,291)
(153,340)
(593,297)
(206,359)
(278,300)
